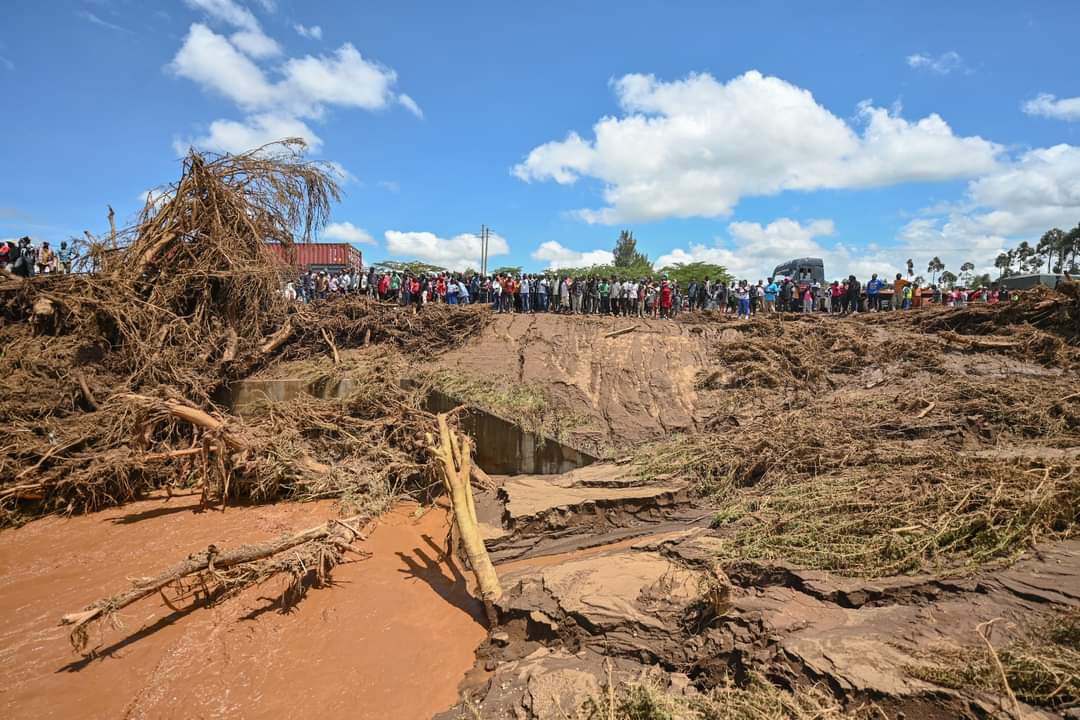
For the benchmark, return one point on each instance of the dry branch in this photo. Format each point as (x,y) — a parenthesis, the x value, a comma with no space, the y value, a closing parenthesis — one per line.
(231,570)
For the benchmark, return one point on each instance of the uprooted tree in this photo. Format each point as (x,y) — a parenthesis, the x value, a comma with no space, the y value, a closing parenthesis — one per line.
(187,301)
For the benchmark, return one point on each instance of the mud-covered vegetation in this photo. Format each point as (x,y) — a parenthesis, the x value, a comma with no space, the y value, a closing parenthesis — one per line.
(125,361)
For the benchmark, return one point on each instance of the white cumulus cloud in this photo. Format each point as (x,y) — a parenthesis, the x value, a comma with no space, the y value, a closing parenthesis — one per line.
(250,37)
(753,250)
(1050,106)
(234,136)
(277,97)
(347,232)
(557,256)
(1020,201)
(695,147)
(457,253)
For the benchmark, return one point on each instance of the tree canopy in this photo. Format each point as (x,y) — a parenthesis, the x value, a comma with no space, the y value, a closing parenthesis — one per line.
(626,252)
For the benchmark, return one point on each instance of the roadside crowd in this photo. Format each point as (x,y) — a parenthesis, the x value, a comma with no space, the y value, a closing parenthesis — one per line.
(660,298)
(25,259)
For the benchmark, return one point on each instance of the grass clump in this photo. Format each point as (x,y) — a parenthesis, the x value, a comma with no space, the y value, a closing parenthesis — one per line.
(872,524)
(1042,667)
(756,700)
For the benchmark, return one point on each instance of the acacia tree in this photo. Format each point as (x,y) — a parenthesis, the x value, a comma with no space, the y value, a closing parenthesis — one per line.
(934,268)
(1071,250)
(1053,241)
(1003,262)
(1028,258)
(965,272)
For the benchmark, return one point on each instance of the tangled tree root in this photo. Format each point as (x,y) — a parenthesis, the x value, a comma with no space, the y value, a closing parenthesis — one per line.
(189,302)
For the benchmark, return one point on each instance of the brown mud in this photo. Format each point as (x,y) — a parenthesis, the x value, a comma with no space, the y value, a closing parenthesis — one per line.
(343,652)
(609,391)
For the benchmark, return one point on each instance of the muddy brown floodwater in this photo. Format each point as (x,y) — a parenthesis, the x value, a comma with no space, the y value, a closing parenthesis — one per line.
(392,638)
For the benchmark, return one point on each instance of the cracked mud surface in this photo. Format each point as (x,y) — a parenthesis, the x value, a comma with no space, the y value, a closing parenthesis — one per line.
(644,606)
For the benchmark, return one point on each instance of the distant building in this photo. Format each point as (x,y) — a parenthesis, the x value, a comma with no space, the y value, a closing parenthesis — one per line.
(319,257)
(1026,282)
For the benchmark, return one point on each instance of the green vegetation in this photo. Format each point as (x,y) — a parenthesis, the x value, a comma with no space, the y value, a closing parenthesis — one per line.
(1042,667)
(415,267)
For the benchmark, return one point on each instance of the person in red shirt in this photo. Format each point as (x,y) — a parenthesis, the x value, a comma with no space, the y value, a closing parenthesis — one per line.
(665,299)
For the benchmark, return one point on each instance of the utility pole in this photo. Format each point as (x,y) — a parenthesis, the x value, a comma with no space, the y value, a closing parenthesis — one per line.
(484,235)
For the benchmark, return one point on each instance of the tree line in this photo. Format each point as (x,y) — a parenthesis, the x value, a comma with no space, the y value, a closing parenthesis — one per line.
(1057,251)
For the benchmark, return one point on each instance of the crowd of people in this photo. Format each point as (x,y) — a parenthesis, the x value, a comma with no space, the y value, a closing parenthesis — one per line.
(570,294)
(24,259)
(645,297)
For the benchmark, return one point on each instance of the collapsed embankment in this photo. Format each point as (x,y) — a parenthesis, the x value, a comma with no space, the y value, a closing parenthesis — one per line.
(893,500)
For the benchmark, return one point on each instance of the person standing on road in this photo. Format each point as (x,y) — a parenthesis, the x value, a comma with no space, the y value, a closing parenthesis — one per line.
(898,291)
(742,299)
(771,291)
(873,297)
(854,293)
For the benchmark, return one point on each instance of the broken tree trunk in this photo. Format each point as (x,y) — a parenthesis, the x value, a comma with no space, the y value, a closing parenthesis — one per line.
(454,454)
(195,416)
(277,339)
(213,561)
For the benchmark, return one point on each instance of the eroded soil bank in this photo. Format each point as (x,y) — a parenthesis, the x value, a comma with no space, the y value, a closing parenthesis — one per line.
(392,638)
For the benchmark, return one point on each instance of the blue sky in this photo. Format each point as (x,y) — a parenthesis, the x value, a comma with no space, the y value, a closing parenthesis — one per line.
(739,133)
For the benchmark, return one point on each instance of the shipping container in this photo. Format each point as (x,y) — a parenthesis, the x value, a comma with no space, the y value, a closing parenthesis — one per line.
(331,257)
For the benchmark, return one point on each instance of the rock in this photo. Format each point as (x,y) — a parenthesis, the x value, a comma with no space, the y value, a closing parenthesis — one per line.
(542,619)
(680,684)
(500,638)
(558,694)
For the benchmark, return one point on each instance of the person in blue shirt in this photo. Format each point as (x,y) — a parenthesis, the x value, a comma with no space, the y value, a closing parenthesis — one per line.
(873,297)
(771,291)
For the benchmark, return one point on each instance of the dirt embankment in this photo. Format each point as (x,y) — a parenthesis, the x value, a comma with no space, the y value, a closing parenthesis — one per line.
(392,638)
(602,393)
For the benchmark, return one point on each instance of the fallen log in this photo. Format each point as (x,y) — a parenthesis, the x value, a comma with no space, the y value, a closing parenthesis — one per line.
(622,331)
(195,416)
(218,568)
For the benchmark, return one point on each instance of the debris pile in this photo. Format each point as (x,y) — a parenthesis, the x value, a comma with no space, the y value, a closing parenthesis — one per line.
(108,376)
